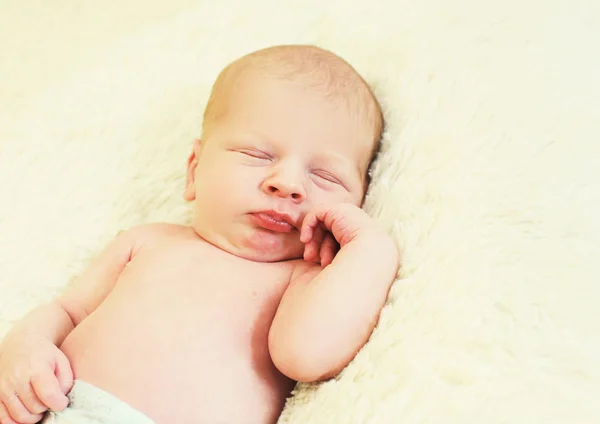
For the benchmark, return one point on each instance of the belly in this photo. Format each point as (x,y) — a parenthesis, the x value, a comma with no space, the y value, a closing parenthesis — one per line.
(199,355)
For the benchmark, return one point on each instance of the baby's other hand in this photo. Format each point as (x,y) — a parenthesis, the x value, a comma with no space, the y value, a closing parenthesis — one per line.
(35,376)
(327,229)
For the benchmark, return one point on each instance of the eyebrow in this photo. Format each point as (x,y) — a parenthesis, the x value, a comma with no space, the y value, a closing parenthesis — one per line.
(256,137)
(331,156)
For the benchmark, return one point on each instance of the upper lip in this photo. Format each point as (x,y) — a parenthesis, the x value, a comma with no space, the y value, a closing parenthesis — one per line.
(280,216)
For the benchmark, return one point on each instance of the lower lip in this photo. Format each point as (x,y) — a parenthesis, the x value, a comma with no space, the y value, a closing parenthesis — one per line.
(269,223)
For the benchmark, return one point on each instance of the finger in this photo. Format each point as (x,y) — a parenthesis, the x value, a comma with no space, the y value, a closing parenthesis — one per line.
(311,253)
(308,225)
(307,235)
(64,373)
(18,412)
(329,248)
(317,241)
(30,400)
(5,417)
(48,390)
(343,221)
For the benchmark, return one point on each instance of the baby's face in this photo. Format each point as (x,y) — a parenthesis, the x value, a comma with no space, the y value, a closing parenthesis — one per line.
(278,150)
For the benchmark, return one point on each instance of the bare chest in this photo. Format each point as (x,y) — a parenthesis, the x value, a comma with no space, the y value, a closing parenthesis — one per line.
(200,287)
(203,312)
(200,295)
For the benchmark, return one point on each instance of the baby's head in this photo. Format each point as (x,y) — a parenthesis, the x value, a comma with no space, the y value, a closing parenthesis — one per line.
(285,128)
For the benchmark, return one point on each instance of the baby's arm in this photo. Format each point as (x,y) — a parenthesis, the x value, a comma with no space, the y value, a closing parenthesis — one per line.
(327,314)
(34,374)
(55,320)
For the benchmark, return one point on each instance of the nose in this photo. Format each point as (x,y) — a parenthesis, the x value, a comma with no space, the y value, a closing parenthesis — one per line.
(285,183)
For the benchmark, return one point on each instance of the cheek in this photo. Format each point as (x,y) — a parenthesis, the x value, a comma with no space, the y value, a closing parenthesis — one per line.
(316,196)
(227,183)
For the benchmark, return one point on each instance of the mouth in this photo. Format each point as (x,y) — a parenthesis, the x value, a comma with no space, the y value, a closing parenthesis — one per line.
(273,221)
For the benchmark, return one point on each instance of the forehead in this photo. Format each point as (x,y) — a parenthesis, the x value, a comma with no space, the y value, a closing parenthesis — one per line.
(285,112)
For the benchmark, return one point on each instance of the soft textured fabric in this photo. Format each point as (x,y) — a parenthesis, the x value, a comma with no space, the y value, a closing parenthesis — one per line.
(488,179)
(91,405)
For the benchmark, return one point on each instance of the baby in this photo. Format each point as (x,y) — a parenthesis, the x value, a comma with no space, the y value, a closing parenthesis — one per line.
(280,277)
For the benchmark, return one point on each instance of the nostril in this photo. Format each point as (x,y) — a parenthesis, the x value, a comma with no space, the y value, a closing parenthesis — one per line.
(295,196)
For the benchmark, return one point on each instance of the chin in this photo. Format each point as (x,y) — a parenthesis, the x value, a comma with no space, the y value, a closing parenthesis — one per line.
(258,246)
(264,254)
(259,255)
(271,247)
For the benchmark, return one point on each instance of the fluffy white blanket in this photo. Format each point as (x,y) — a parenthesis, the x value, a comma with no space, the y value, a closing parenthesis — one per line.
(488,179)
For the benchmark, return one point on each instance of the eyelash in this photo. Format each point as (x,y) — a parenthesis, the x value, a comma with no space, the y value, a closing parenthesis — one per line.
(255,154)
(327,177)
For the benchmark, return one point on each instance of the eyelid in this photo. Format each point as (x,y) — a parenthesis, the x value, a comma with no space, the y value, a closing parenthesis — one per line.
(255,153)
(328,176)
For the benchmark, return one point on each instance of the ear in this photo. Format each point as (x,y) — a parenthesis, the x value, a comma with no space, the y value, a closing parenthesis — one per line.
(189,193)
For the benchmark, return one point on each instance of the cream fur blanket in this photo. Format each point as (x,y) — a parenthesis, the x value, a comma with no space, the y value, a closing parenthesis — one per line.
(489,179)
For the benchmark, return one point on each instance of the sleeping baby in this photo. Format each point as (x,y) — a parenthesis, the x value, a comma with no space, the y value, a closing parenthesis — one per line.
(279,278)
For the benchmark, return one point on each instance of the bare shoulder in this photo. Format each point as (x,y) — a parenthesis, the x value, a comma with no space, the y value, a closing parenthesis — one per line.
(155,232)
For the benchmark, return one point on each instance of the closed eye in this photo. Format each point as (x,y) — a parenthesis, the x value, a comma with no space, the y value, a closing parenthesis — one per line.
(257,154)
(326,176)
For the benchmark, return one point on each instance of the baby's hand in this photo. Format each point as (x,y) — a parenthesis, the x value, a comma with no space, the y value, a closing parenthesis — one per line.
(35,376)
(327,229)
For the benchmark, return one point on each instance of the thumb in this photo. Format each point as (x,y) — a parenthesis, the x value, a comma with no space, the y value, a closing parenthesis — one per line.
(63,372)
